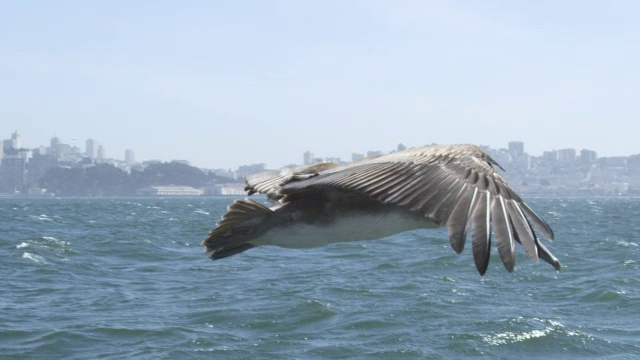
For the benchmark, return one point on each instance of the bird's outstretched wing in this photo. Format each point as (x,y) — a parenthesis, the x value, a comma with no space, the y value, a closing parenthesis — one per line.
(454,185)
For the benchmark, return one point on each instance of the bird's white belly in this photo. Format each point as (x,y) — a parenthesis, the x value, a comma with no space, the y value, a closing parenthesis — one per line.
(348,228)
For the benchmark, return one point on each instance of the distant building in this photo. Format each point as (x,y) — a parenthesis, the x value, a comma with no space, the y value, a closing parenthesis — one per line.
(54,142)
(567,156)
(13,169)
(308,158)
(371,153)
(550,156)
(233,189)
(7,144)
(15,140)
(588,156)
(401,147)
(25,154)
(64,152)
(102,154)
(356,157)
(516,148)
(91,149)
(169,191)
(129,156)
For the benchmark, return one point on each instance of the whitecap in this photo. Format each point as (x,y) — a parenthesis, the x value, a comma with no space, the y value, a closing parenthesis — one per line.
(626,243)
(22,245)
(513,337)
(56,241)
(40,217)
(37,258)
(200,211)
(55,244)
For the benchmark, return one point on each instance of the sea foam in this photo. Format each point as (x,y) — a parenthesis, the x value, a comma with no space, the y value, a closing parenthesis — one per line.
(36,258)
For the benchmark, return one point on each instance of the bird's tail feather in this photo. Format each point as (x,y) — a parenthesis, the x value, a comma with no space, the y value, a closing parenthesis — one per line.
(243,222)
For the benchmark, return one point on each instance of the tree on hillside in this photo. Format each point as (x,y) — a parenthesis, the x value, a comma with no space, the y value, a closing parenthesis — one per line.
(171,173)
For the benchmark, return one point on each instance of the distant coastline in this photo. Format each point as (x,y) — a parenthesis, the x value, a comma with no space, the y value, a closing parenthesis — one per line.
(64,170)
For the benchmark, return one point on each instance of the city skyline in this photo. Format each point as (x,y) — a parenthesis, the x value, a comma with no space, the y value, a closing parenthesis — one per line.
(63,169)
(263,82)
(307,157)
(346,155)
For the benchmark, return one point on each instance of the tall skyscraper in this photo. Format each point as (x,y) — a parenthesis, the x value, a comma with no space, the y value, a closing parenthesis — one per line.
(101,152)
(91,149)
(129,156)
(308,158)
(15,139)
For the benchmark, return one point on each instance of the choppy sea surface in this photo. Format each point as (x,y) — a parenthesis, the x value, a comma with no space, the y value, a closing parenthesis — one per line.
(127,278)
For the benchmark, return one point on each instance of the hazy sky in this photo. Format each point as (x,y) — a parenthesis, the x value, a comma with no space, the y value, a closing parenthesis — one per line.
(226,83)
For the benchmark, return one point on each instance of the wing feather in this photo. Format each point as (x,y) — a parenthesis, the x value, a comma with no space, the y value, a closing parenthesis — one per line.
(503,233)
(396,178)
(522,228)
(424,190)
(434,199)
(457,224)
(481,232)
(443,211)
(540,224)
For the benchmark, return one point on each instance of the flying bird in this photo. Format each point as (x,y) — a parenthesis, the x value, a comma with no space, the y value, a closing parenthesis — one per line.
(441,185)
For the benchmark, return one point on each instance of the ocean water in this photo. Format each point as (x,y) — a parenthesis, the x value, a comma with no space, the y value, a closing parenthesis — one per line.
(127,278)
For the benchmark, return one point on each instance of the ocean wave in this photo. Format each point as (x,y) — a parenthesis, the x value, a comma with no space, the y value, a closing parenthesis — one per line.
(35,258)
(142,282)
(551,327)
(42,217)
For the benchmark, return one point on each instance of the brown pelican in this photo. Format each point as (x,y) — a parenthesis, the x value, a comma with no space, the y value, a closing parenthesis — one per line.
(453,185)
